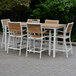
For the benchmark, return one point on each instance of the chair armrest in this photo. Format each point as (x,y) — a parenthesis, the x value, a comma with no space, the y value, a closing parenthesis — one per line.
(49,29)
(60,31)
(45,31)
(24,32)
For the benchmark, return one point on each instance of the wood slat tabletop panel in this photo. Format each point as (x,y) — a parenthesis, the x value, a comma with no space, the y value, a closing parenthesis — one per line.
(47,25)
(52,25)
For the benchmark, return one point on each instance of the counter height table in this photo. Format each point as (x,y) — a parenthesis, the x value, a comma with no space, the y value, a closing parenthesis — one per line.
(50,26)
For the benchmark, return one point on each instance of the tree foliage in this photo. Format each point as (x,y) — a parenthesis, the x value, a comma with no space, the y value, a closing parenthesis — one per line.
(16,10)
(54,9)
(9,4)
(63,10)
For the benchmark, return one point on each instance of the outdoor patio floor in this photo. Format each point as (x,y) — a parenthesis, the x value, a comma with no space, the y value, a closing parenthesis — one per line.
(14,65)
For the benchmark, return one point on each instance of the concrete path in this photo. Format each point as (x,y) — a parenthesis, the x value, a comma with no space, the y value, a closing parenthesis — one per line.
(14,65)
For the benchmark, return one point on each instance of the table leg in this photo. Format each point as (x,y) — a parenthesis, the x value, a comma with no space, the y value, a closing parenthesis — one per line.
(49,53)
(54,45)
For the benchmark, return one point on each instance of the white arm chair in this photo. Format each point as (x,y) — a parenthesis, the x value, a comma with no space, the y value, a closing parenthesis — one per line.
(15,35)
(66,35)
(34,32)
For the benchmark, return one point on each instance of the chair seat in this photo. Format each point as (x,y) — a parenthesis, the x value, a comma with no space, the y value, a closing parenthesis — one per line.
(36,37)
(46,33)
(17,35)
(62,36)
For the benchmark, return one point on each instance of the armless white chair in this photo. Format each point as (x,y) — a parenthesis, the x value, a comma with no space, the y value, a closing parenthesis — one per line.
(16,35)
(34,32)
(66,35)
(5,32)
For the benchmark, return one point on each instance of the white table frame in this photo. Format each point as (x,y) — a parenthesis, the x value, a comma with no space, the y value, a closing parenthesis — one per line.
(54,41)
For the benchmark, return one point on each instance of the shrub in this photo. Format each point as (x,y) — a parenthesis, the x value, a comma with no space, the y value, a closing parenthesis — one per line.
(54,9)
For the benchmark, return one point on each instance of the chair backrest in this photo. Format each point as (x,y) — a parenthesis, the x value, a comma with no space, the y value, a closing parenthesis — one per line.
(33,20)
(69,27)
(34,28)
(29,20)
(52,21)
(4,22)
(14,27)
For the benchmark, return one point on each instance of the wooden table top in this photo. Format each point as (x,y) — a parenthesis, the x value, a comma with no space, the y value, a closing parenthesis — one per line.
(53,25)
(45,25)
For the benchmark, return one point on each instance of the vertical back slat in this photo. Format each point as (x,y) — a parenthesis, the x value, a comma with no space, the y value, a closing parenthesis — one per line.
(29,20)
(34,28)
(4,22)
(14,27)
(52,21)
(69,27)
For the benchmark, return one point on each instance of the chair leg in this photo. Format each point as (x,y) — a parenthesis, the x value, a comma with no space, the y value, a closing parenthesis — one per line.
(27,48)
(63,44)
(20,47)
(13,41)
(41,48)
(49,53)
(56,38)
(40,55)
(34,45)
(29,44)
(8,45)
(20,52)
(71,46)
(2,40)
(66,47)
